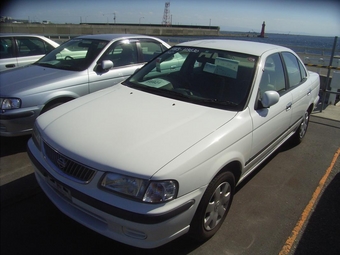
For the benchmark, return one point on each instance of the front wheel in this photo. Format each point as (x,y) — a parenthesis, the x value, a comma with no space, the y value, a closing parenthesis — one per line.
(50,107)
(213,207)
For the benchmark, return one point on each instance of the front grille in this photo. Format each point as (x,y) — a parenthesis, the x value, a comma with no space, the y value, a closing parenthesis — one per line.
(68,166)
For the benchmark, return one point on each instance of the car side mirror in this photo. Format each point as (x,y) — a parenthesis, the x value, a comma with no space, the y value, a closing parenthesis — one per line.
(270,98)
(106,64)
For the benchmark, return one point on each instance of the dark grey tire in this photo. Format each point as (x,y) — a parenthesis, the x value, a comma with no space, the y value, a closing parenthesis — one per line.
(302,129)
(49,107)
(214,207)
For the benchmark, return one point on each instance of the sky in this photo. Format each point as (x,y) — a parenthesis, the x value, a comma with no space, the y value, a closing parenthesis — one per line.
(300,17)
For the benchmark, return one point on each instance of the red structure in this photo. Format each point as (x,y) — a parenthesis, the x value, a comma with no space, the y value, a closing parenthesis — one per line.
(262,30)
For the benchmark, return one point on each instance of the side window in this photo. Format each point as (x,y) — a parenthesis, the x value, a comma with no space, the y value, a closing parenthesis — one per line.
(293,69)
(273,75)
(48,47)
(150,50)
(29,46)
(6,48)
(302,70)
(121,54)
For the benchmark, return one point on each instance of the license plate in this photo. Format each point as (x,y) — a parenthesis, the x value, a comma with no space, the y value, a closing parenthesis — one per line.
(59,188)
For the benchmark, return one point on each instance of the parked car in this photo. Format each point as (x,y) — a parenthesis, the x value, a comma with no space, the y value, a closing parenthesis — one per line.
(23,49)
(78,67)
(160,154)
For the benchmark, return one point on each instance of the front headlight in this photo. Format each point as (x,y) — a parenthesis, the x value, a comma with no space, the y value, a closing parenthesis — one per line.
(10,103)
(161,191)
(141,189)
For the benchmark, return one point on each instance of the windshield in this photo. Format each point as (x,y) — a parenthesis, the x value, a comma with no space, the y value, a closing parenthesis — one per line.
(74,55)
(209,77)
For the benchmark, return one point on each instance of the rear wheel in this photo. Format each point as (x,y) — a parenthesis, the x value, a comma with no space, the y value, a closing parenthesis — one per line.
(302,129)
(213,207)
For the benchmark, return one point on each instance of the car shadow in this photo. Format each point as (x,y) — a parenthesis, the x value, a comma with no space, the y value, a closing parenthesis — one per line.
(289,144)
(29,217)
(330,123)
(13,145)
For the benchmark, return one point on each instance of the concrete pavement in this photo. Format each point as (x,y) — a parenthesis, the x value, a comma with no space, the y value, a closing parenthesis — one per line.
(330,112)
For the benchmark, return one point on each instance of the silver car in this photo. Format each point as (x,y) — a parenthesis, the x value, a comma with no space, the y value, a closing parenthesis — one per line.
(78,67)
(23,49)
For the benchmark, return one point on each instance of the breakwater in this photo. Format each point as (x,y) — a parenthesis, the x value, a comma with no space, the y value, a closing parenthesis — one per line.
(71,30)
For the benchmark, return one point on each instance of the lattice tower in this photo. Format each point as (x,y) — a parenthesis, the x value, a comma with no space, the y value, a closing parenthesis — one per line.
(166,16)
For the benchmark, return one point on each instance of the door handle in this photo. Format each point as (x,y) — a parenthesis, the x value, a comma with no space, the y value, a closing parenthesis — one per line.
(288,106)
(10,65)
(309,92)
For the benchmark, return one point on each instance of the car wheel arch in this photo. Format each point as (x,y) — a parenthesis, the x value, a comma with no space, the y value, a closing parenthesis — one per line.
(54,103)
(235,167)
(299,135)
(228,176)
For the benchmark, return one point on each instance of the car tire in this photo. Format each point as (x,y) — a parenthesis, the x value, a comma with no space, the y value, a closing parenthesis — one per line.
(302,129)
(50,107)
(214,207)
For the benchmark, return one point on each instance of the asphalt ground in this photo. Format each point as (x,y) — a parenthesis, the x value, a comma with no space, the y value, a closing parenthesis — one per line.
(290,205)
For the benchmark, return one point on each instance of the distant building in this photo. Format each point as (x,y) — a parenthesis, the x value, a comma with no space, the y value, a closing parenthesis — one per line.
(4,19)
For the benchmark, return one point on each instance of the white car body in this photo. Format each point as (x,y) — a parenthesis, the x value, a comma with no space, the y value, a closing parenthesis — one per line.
(23,49)
(131,132)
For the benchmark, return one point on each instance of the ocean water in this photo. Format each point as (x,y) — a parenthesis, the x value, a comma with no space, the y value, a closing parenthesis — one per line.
(299,43)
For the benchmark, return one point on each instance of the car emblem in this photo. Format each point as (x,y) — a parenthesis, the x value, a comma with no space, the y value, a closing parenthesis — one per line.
(61,162)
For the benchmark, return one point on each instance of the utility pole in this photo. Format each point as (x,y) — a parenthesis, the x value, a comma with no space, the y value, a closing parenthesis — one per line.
(166,16)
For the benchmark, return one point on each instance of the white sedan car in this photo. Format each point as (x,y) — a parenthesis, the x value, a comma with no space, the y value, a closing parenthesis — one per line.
(160,154)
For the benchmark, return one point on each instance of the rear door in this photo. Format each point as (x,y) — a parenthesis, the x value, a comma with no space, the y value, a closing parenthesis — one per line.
(298,84)
(30,49)
(8,58)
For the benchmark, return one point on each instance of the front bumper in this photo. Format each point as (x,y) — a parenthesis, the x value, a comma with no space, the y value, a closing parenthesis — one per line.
(130,222)
(18,122)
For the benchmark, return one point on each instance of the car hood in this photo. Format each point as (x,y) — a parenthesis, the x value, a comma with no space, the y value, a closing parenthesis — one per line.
(28,78)
(129,131)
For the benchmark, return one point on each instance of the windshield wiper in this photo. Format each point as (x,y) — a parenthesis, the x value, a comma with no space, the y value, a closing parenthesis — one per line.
(45,65)
(215,101)
(173,93)
(180,94)
(157,91)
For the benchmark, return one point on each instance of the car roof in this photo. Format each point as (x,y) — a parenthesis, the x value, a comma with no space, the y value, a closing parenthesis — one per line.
(248,47)
(110,37)
(19,34)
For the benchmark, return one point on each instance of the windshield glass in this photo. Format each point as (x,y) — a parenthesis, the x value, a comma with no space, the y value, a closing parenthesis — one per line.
(75,55)
(209,77)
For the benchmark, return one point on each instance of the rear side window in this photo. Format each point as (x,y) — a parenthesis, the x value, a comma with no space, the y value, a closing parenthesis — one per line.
(296,72)
(6,48)
(30,46)
(150,50)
